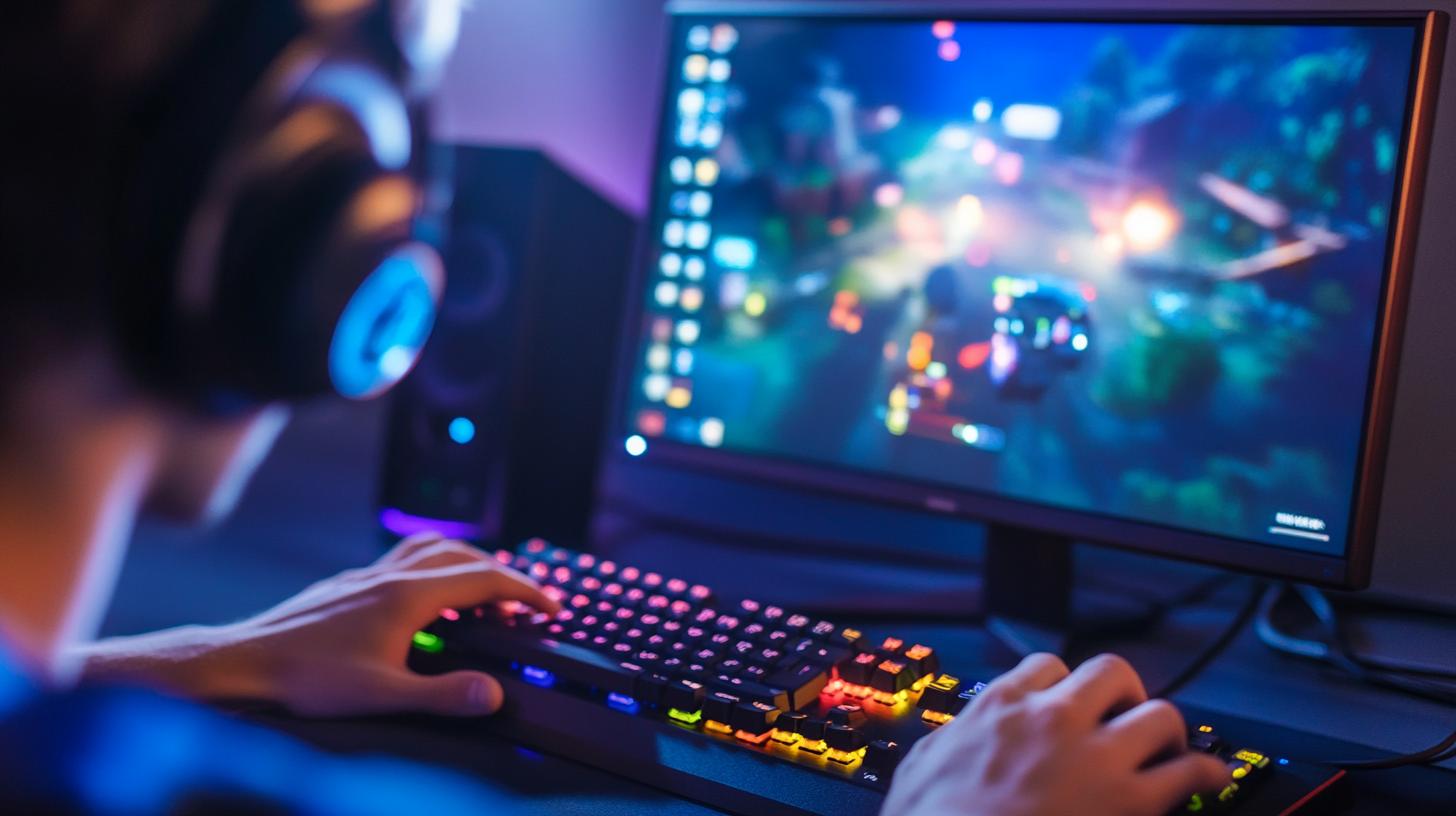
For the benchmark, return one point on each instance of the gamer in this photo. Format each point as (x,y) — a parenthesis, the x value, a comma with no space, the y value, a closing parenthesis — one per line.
(170,258)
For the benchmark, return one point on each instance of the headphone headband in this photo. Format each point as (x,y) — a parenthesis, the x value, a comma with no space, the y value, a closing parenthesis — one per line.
(299,271)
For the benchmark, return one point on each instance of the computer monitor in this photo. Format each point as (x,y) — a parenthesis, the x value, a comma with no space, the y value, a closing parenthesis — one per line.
(1130,279)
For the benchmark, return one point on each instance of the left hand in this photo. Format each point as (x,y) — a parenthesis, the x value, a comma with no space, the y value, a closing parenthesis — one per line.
(339,647)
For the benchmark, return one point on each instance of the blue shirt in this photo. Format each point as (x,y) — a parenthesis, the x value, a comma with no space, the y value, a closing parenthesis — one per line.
(127,751)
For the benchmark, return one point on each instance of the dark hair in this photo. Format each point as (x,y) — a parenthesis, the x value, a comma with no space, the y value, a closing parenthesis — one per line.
(114,110)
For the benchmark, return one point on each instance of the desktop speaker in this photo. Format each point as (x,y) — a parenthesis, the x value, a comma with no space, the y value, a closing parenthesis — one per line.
(496,433)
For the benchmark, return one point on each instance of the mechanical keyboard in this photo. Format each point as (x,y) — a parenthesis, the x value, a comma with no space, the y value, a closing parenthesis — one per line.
(742,705)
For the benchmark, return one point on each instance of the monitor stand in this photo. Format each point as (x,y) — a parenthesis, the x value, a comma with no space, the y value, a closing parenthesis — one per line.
(1029,598)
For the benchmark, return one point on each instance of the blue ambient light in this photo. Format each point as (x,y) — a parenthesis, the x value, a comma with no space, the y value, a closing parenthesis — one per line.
(462,430)
(622,702)
(537,676)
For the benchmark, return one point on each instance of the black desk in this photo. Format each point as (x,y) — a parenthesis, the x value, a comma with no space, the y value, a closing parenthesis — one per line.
(308,516)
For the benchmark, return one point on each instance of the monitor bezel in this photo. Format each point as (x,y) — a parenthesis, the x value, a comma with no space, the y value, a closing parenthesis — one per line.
(1350,571)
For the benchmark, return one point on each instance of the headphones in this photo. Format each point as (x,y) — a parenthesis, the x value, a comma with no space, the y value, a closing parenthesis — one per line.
(299,261)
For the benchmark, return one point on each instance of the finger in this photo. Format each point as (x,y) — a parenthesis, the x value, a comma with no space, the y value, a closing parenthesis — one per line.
(1104,686)
(1037,672)
(443,553)
(455,694)
(409,546)
(465,585)
(1169,784)
(1152,729)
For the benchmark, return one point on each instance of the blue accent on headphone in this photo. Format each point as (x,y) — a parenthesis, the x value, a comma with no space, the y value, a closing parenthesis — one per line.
(384,325)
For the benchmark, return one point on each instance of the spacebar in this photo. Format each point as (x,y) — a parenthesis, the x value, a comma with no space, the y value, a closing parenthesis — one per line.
(568,662)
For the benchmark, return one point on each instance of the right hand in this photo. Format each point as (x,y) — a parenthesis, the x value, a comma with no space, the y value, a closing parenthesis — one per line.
(1043,741)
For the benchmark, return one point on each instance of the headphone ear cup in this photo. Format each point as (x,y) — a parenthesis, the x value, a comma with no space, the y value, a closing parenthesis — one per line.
(316,222)
(382,328)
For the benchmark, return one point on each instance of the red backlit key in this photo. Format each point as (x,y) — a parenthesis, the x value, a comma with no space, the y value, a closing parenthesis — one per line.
(859,669)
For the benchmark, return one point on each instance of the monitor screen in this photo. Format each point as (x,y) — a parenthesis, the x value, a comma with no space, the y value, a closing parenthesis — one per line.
(1129,269)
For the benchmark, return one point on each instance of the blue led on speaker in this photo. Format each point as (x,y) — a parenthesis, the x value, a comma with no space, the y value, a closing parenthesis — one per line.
(636,445)
(461,430)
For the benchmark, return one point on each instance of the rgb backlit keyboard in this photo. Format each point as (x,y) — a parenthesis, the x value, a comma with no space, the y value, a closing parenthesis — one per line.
(633,649)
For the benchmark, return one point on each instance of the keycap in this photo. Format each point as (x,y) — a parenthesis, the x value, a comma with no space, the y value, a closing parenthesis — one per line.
(801,682)
(940,695)
(922,660)
(890,677)
(823,655)
(1204,740)
(757,674)
(718,706)
(789,722)
(812,730)
(683,695)
(847,637)
(769,657)
(1247,766)
(749,690)
(847,714)
(754,719)
(965,696)
(859,669)
(882,756)
(844,738)
(650,687)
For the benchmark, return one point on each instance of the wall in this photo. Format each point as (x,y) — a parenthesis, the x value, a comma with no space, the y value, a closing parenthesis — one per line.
(581,77)
(577,77)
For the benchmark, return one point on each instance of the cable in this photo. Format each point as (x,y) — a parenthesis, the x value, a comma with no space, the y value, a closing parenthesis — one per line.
(1336,651)
(1338,635)
(1440,752)
(1210,653)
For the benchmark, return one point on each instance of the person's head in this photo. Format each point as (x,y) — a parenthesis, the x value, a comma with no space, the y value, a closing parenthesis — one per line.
(206,213)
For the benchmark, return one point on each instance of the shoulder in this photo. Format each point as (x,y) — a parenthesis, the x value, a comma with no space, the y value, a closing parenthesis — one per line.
(126,750)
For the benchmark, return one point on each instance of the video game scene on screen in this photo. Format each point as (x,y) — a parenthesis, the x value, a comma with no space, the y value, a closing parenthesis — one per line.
(1130,268)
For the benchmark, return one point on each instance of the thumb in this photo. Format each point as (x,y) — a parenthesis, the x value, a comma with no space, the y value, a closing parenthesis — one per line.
(454,694)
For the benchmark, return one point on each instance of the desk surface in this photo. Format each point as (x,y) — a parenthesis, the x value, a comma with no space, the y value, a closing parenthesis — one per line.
(308,516)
